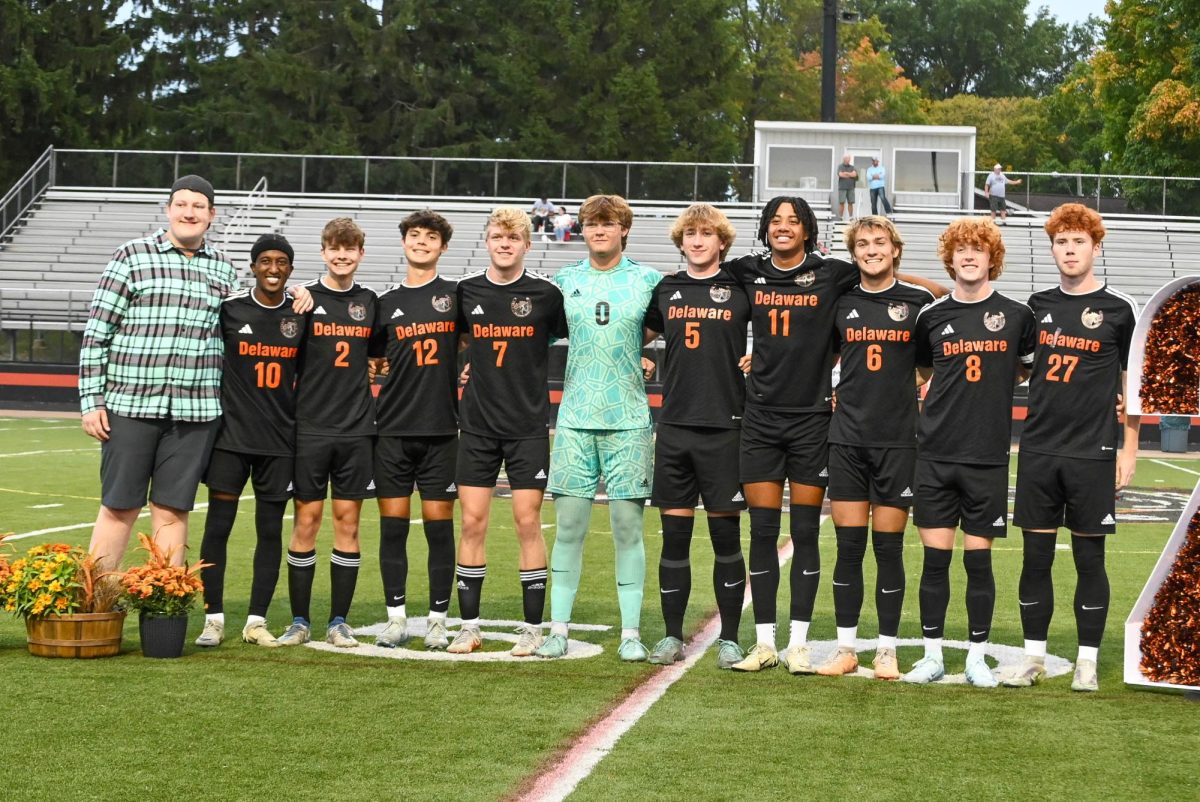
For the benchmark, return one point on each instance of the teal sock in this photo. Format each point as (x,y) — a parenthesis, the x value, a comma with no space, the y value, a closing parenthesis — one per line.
(566,558)
(626,519)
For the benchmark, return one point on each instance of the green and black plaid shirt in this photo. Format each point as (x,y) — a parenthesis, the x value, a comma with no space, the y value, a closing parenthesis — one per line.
(152,347)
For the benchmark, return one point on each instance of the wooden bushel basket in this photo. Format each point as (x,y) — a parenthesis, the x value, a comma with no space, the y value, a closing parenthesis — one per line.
(82,635)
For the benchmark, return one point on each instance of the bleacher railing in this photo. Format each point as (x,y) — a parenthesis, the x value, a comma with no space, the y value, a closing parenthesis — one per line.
(239,222)
(25,192)
(1157,195)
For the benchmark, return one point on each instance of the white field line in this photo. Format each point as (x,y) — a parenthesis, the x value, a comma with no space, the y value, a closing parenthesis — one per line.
(557,782)
(1166,464)
(89,524)
(51,451)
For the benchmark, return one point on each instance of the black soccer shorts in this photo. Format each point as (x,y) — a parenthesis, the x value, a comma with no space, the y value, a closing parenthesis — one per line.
(692,463)
(950,494)
(526,462)
(346,461)
(272,475)
(879,475)
(782,445)
(1054,491)
(427,463)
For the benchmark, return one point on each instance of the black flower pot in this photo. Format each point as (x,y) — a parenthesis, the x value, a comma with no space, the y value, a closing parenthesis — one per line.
(162,636)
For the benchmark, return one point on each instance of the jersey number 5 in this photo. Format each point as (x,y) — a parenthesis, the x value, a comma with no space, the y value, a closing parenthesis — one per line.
(691,334)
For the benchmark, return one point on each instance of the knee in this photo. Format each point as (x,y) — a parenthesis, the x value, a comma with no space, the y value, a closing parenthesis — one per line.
(888,549)
(1088,553)
(851,544)
(1038,551)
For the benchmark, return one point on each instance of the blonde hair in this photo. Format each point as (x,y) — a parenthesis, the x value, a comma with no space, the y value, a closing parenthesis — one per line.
(875,223)
(704,214)
(511,218)
(972,231)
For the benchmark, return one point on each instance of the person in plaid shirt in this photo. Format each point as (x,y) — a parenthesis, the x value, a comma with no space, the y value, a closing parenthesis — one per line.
(150,373)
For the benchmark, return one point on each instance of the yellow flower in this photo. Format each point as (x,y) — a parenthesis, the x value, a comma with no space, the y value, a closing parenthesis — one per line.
(55,586)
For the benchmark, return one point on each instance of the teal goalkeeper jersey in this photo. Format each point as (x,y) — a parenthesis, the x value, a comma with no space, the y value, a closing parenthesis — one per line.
(605,311)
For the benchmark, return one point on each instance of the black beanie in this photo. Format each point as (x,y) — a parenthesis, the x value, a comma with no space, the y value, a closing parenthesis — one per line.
(271,242)
(196,184)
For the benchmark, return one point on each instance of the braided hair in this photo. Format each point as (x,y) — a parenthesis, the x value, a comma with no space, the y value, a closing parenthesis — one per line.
(808,220)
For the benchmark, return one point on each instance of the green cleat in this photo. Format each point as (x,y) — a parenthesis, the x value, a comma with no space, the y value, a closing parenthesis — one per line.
(553,646)
(729,653)
(632,650)
(667,651)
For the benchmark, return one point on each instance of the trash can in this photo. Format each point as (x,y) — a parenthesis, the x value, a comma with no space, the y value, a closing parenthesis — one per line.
(1174,431)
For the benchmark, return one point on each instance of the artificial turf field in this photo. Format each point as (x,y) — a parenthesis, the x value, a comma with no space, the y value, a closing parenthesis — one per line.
(242,722)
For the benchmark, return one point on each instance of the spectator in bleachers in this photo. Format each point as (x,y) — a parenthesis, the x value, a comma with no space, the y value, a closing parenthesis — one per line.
(994,191)
(847,182)
(542,214)
(877,183)
(563,223)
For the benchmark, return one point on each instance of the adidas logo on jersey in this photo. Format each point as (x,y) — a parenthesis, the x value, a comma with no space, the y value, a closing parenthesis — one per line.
(1108,520)
(678,296)
(738,497)
(453,488)
(999,521)
(478,310)
(1047,318)
(320,310)
(853,315)
(541,474)
(371,485)
(246,329)
(907,493)
(760,280)
(397,313)
(948,330)
(824,473)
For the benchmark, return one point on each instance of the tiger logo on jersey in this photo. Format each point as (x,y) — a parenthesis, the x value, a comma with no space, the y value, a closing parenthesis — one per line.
(806,279)
(898,312)
(357,311)
(1091,318)
(290,327)
(521,307)
(442,303)
(993,321)
(720,294)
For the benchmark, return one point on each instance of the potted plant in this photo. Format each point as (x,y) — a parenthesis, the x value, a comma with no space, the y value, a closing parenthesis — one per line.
(162,594)
(68,606)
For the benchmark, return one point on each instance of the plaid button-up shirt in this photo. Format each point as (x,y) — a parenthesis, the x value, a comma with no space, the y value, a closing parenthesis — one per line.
(152,347)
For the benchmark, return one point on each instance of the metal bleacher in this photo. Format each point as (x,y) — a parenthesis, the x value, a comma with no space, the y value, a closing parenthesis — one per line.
(50,263)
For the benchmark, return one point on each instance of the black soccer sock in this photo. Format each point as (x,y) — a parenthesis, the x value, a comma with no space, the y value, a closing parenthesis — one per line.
(393,558)
(935,591)
(848,574)
(729,572)
(213,549)
(889,579)
(806,559)
(533,594)
(343,576)
(1091,588)
(764,562)
(1035,593)
(439,535)
(470,589)
(268,548)
(981,593)
(675,571)
(302,567)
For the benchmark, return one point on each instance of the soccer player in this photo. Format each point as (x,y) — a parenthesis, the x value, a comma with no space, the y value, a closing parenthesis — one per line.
(335,428)
(261,332)
(872,439)
(416,329)
(977,344)
(1069,468)
(604,426)
(511,317)
(703,313)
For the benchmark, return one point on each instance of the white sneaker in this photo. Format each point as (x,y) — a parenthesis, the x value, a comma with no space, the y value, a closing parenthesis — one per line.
(213,634)
(979,674)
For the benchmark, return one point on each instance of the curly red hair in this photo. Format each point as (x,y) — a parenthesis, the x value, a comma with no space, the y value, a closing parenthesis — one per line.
(1076,217)
(972,231)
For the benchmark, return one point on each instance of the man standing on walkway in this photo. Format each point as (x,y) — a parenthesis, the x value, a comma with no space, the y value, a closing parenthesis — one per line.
(877,183)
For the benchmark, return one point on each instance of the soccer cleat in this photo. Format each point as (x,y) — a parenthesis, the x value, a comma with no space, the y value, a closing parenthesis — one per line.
(885,664)
(339,635)
(466,641)
(295,634)
(978,673)
(632,650)
(394,634)
(667,651)
(844,661)
(761,656)
(1085,677)
(728,653)
(435,636)
(213,634)
(529,642)
(258,634)
(924,671)
(553,646)
(797,661)
(1031,671)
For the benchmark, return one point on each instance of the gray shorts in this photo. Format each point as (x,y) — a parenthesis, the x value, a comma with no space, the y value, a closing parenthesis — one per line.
(166,456)
(997,204)
(845,196)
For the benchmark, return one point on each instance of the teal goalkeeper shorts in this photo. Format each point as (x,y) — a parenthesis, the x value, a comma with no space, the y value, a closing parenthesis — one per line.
(581,456)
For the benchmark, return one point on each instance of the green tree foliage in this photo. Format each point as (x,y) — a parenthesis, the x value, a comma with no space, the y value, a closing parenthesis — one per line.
(982,47)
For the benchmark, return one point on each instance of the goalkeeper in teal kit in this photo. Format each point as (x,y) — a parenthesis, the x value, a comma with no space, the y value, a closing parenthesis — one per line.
(604,426)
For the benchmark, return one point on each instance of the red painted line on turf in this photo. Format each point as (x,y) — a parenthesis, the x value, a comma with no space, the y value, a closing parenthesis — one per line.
(39,379)
(581,757)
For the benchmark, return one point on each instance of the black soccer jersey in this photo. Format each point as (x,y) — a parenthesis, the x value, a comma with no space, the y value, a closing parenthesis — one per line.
(416,328)
(792,312)
(333,396)
(877,394)
(1082,348)
(511,328)
(258,385)
(704,323)
(975,350)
